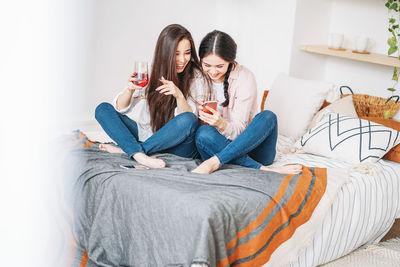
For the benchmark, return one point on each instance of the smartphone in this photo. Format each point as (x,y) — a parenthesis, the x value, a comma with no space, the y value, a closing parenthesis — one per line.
(211,104)
(128,167)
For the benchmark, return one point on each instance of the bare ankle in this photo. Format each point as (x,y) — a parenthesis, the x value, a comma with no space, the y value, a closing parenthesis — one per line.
(138,156)
(208,166)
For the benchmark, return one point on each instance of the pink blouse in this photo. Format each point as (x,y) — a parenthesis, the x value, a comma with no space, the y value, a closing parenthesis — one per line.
(242,101)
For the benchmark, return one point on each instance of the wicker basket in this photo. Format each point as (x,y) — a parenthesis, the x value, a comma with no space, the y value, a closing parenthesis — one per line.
(373,106)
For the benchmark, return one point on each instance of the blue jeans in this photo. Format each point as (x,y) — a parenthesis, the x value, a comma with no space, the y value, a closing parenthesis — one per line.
(255,145)
(176,137)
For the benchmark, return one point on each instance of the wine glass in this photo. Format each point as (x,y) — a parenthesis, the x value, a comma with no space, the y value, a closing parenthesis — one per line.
(140,75)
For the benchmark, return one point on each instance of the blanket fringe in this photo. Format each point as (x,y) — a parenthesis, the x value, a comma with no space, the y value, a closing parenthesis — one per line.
(366,168)
(292,150)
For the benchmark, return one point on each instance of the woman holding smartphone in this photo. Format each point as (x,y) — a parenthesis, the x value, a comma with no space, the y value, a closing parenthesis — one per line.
(166,122)
(235,133)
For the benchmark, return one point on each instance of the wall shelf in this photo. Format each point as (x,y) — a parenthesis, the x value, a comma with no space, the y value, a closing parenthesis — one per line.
(371,58)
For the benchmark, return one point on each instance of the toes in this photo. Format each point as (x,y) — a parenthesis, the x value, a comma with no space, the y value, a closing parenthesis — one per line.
(163,164)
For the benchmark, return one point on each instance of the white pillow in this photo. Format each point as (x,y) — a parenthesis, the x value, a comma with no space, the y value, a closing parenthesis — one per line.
(295,101)
(349,139)
(342,106)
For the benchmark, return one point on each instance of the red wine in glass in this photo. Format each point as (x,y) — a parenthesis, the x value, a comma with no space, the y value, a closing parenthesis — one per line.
(140,75)
(140,79)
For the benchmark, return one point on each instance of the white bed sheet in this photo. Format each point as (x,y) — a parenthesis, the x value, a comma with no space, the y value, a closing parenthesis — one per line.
(363,212)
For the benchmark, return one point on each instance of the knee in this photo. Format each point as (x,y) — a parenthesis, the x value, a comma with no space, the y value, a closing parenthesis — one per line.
(187,120)
(268,117)
(203,134)
(102,109)
(270,159)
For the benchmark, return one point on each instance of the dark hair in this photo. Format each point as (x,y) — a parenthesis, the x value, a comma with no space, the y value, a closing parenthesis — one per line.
(162,106)
(220,44)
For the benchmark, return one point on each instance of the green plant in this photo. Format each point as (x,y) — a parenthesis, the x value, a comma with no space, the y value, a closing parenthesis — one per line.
(393,7)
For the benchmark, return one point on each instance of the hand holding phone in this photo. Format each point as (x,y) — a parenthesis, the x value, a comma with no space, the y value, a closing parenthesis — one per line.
(211,104)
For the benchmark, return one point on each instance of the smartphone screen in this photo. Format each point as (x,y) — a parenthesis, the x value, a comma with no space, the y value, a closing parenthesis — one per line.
(128,167)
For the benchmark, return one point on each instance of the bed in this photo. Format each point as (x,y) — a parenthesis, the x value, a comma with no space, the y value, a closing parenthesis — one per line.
(360,209)
(233,217)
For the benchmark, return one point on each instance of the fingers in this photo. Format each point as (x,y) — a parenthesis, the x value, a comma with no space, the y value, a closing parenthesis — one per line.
(208,118)
(166,90)
(164,81)
(161,87)
(132,86)
(169,88)
(211,109)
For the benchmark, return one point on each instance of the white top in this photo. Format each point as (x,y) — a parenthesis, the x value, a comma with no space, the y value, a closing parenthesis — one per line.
(218,89)
(138,109)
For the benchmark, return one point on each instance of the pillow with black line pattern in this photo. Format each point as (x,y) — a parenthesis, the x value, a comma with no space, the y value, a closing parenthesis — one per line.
(349,139)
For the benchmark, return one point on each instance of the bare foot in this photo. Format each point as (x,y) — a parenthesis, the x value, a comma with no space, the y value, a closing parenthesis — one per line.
(287,169)
(208,166)
(111,148)
(151,162)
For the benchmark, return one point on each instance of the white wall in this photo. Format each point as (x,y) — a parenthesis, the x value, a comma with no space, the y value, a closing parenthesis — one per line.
(44,80)
(263,31)
(315,19)
(310,27)
(127,30)
(268,34)
(360,18)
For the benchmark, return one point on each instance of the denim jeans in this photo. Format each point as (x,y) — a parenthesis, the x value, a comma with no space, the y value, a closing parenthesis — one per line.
(176,137)
(254,147)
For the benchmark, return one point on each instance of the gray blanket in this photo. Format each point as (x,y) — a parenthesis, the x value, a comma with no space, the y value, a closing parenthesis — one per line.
(170,216)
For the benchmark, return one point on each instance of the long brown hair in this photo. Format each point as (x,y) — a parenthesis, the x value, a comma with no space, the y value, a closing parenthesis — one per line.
(162,106)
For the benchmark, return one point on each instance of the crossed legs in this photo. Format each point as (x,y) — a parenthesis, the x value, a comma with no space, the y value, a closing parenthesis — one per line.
(253,148)
(176,137)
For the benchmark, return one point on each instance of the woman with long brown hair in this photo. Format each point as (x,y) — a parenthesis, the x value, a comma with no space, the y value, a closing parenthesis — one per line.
(166,122)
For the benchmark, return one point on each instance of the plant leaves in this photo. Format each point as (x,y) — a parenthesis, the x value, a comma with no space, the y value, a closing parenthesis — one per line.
(391,41)
(395,76)
(386,114)
(392,20)
(392,50)
(391,89)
